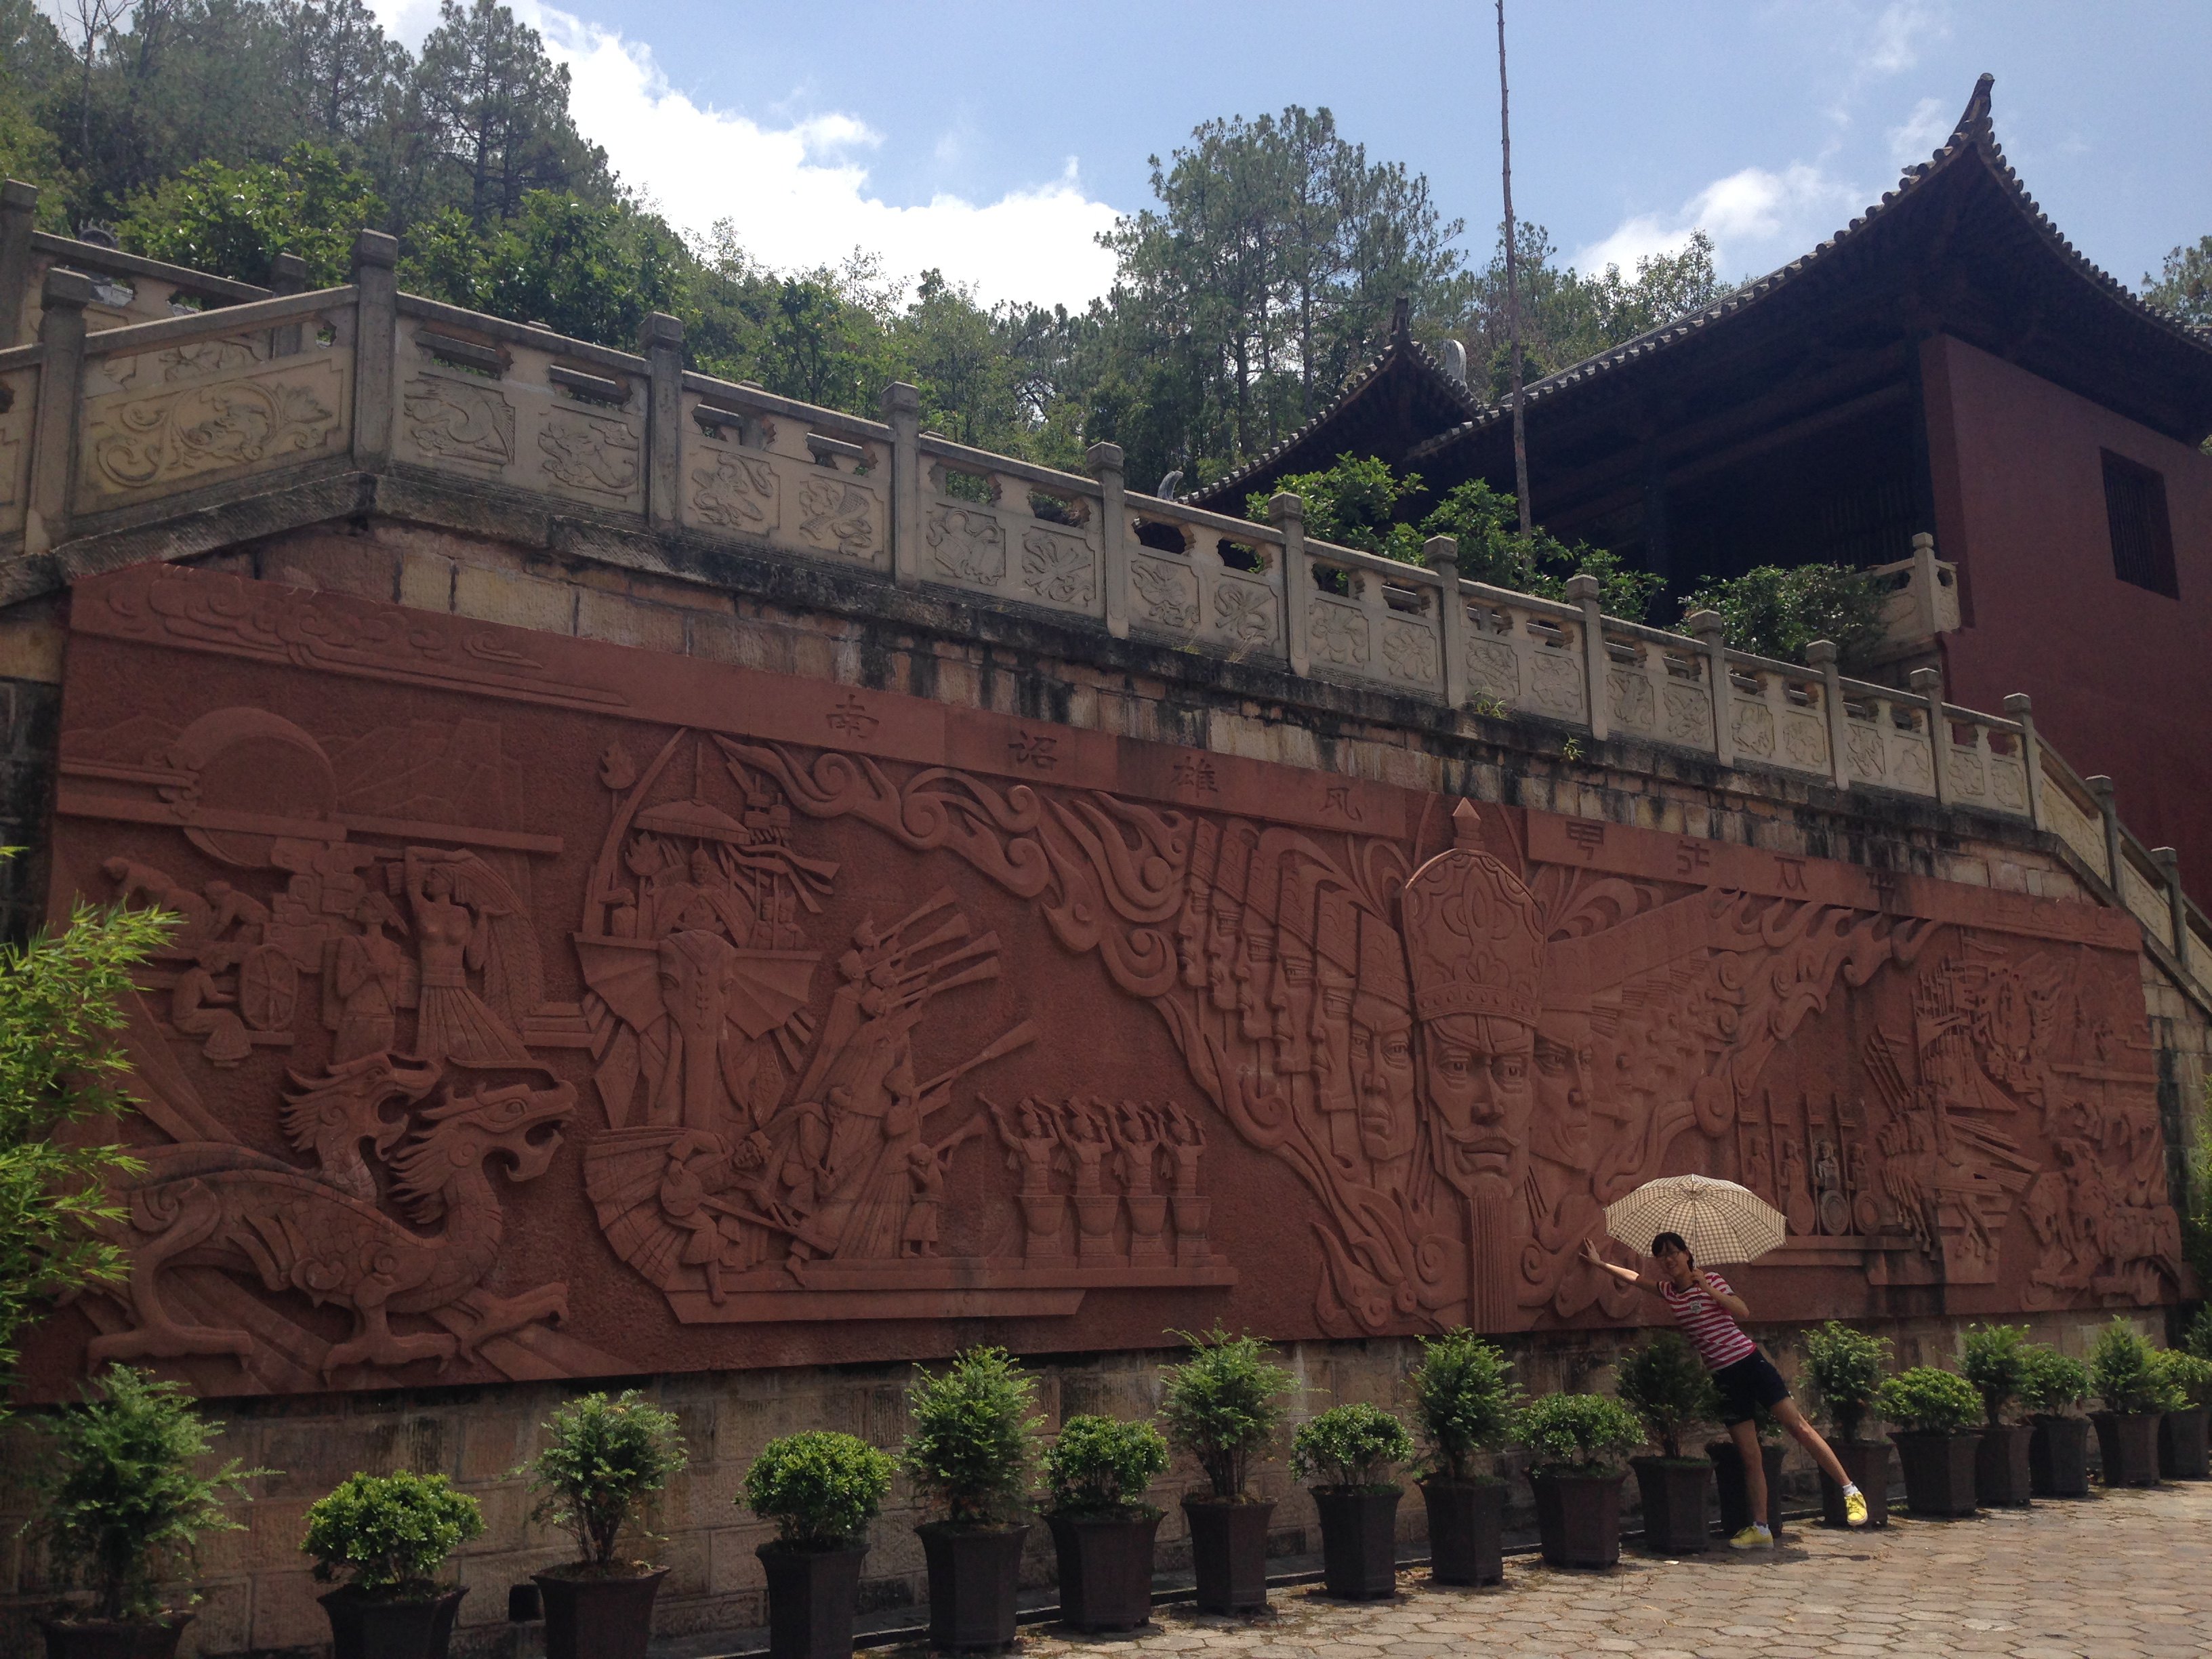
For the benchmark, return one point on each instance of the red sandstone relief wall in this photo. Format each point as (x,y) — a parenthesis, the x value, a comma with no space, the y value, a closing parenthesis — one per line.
(545,1008)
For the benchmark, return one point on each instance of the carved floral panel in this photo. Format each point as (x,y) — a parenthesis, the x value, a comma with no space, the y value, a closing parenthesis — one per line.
(138,443)
(540,1008)
(599,458)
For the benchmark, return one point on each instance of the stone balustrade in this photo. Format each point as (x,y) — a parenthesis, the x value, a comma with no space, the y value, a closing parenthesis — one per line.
(101,429)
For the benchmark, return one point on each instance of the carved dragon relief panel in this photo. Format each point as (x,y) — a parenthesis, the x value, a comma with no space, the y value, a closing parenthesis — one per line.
(840,1018)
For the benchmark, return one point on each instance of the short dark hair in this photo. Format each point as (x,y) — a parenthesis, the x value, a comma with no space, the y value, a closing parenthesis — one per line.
(1667,1242)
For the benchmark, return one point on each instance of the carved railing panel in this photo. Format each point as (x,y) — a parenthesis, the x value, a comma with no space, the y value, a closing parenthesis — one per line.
(1374,620)
(806,482)
(1021,533)
(1778,715)
(2142,889)
(1885,740)
(1198,578)
(181,404)
(1524,653)
(126,290)
(19,406)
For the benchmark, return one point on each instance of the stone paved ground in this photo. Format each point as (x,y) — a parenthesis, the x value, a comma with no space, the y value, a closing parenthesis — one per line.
(2122,1576)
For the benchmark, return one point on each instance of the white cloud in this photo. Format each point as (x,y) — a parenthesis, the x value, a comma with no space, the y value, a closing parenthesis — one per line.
(1922,133)
(795,192)
(1757,219)
(1898,33)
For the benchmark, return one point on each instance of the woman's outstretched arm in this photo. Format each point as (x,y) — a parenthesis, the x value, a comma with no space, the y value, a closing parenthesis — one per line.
(1627,1275)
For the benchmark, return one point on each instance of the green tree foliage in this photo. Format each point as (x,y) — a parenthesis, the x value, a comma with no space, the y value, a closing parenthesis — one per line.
(128,1492)
(974,1437)
(603,1462)
(1097,1466)
(1350,1448)
(1579,1433)
(390,1533)
(1847,1366)
(1773,612)
(493,111)
(1465,1398)
(2051,1384)
(1994,1361)
(589,270)
(61,1008)
(1223,1405)
(237,220)
(2188,1379)
(2184,283)
(1667,1385)
(1928,1399)
(821,1487)
(2125,1371)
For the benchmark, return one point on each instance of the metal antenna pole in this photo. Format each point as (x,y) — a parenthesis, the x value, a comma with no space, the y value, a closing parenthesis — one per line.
(1512,283)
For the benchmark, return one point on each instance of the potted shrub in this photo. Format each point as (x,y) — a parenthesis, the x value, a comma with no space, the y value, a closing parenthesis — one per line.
(2181,1437)
(1101,1528)
(1578,1440)
(820,1488)
(125,1502)
(1994,1361)
(1466,1407)
(1348,1452)
(2053,1387)
(1934,1411)
(602,1461)
(969,1454)
(1224,1406)
(386,1535)
(2123,1371)
(1667,1385)
(1730,1488)
(1846,1367)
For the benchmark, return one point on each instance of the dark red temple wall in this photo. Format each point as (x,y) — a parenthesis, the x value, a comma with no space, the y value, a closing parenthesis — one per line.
(2121,677)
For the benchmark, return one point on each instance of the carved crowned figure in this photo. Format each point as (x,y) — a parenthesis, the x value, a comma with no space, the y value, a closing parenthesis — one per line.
(1476,953)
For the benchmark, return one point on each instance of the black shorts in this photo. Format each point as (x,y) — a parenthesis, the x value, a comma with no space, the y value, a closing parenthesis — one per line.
(1750,1385)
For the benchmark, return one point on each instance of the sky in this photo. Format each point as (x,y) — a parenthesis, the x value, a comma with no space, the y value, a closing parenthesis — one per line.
(994,140)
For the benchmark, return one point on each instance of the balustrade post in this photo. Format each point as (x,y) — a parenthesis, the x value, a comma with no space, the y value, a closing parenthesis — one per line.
(1821,655)
(287,274)
(1442,555)
(19,208)
(2177,905)
(1929,683)
(1104,460)
(53,424)
(1287,513)
(2018,706)
(1926,579)
(660,343)
(375,347)
(2108,808)
(1583,590)
(1712,634)
(902,413)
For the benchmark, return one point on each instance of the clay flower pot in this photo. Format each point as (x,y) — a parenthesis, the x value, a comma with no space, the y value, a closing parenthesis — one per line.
(2003,1476)
(1939,1470)
(1466,1530)
(2182,1451)
(1867,1462)
(812,1597)
(2128,1444)
(1358,1541)
(1728,1480)
(366,1626)
(1674,1492)
(973,1574)
(1105,1568)
(2059,1457)
(1229,1553)
(114,1638)
(597,1618)
(1578,1517)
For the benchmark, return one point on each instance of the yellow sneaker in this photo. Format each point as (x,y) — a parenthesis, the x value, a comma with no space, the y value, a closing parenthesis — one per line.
(1753,1537)
(1855,1509)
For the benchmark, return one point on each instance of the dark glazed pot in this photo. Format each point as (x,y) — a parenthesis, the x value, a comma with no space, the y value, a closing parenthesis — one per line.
(2128,1444)
(1229,1553)
(2182,1452)
(973,1574)
(114,1638)
(1939,1470)
(1105,1568)
(2059,1457)
(1358,1542)
(812,1597)
(599,1618)
(1673,1492)
(1728,1480)
(1579,1517)
(1867,1462)
(364,1627)
(2003,1476)
(1466,1530)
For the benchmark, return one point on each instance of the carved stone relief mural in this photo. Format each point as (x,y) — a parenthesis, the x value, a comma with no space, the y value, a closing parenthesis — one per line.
(132,442)
(454,421)
(521,1019)
(590,453)
(736,491)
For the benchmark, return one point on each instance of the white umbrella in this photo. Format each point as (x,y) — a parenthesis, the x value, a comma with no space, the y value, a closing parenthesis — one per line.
(1719,1220)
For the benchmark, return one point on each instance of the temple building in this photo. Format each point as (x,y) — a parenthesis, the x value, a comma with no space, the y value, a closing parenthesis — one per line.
(1947,363)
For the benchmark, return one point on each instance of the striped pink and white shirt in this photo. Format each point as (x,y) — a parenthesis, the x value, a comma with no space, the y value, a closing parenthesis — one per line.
(1716,1336)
